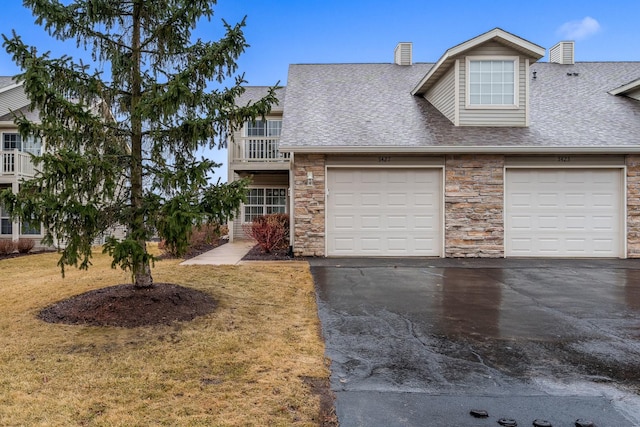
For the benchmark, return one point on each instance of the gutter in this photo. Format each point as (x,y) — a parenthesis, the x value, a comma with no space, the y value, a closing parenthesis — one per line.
(490,149)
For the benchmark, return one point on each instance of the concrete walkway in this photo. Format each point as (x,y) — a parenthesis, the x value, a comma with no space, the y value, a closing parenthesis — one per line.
(227,254)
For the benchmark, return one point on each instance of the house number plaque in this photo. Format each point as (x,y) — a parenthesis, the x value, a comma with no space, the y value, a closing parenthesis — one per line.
(564,159)
(384,159)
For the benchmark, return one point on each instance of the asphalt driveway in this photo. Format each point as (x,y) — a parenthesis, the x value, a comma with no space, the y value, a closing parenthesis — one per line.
(422,342)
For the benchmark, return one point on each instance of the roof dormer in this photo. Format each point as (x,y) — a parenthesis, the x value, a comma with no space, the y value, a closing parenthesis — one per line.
(483,81)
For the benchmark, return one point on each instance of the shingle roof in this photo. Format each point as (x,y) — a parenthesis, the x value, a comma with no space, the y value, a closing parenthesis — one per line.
(346,106)
(255,93)
(6,81)
(26,111)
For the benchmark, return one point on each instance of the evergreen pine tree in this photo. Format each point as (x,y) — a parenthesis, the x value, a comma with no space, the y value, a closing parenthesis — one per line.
(121,143)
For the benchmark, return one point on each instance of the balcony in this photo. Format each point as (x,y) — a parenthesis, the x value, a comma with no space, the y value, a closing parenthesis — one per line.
(258,149)
(16,163)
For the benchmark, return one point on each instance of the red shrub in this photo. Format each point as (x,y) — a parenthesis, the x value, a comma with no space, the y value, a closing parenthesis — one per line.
(25,245)
(270,231)
(7,246)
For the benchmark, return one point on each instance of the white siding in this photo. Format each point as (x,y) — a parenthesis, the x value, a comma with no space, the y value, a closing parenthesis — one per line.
(442,95)
(13,99)
(494,116)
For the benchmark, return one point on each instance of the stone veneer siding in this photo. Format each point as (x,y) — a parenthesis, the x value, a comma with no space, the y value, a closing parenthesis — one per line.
(474,206)
(309,233)
(474,194)
(633,206)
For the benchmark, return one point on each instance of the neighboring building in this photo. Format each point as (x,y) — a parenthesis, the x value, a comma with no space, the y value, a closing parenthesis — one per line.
(16,165)
(486,153)
(15,159)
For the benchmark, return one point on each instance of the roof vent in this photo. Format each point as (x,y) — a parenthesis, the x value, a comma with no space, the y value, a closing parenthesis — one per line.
(403,53)
(562,53)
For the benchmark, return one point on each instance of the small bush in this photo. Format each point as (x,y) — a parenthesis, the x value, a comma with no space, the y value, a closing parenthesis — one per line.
(25,245)
(270,231)
(7,246)
(200,237)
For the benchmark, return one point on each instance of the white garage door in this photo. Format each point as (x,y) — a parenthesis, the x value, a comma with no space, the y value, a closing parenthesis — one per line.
(563,213)
(384,212)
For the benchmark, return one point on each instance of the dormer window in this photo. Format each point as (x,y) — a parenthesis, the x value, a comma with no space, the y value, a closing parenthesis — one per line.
(492,82)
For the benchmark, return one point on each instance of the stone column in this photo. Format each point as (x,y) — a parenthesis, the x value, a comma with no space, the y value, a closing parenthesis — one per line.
(633,205)
(309,202)
(474,217)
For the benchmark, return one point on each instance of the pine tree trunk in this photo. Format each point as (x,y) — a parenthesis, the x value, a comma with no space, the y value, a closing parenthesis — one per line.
(142,271)
(142,278)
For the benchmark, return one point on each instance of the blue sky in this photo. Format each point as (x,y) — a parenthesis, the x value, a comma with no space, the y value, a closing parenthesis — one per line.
(282,32)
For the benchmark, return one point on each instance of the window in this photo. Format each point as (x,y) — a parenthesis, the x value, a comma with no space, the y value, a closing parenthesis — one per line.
(265,201)
(492,82)
(30,228)
(6,226)
(268,128)
(13,141)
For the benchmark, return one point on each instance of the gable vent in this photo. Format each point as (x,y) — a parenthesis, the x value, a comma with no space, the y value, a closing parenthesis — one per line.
(403,53)
(562,53)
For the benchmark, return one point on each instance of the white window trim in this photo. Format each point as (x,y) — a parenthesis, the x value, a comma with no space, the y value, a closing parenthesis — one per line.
(266,187)
(516,83)
(245,130)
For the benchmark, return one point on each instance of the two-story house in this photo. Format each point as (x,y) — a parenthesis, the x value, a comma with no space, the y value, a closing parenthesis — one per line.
(253,151)
(15,159)
(488,152)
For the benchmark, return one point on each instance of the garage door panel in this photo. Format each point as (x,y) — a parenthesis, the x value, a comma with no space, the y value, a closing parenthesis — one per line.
(547,223)
(521,200)
(576,200)
(425,222)
(397,199)
(424,245)
(397,222)
(576,223)
(407,215)
(572,212)
(395,176)
(371,200)
(370,222)
(343,199)
(603,200)
(370,244)
(426,200)
(344,244)
(397,244)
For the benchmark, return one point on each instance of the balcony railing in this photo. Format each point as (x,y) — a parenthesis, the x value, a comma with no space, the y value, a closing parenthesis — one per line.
(259,149)
(16,163)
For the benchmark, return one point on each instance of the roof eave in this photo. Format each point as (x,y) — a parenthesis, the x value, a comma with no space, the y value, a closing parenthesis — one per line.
(629,87)
(11,86)
(493,149)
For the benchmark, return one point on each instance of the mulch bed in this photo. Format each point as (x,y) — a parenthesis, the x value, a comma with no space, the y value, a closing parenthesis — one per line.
(130,307)
(256,254)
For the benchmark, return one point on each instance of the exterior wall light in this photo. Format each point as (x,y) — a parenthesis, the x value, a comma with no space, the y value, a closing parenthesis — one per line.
(309,178)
